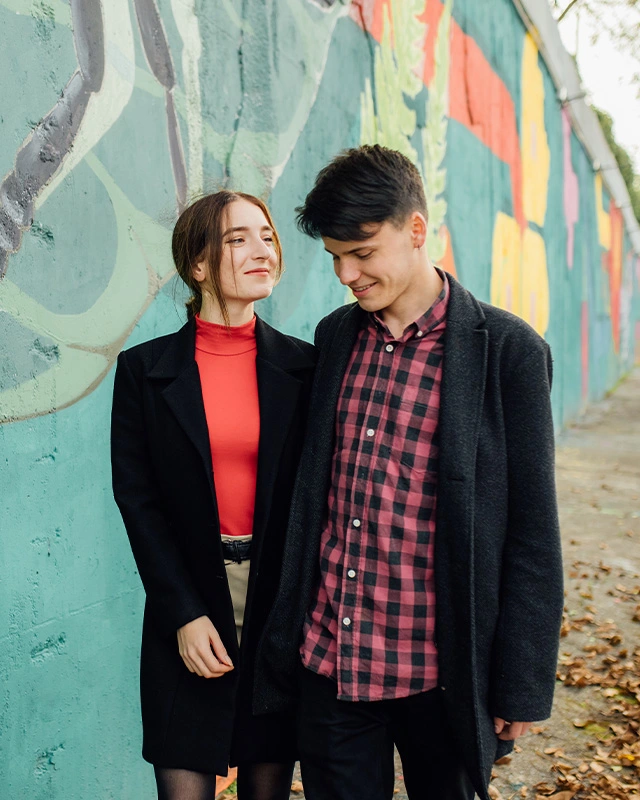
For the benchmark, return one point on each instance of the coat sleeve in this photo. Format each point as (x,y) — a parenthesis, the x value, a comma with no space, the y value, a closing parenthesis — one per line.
(171,595)
(531,591)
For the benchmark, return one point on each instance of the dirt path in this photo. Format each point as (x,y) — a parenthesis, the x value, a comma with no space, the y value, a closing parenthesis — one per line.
(590,747)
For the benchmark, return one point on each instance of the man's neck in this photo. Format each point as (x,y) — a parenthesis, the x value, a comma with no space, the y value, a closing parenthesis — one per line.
(414,302)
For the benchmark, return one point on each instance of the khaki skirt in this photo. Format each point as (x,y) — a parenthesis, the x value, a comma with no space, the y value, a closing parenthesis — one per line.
(238,577)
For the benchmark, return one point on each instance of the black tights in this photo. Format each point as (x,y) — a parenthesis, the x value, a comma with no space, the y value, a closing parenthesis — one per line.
(266,781)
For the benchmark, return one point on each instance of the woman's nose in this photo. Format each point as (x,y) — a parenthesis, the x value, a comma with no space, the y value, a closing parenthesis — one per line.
(263,250)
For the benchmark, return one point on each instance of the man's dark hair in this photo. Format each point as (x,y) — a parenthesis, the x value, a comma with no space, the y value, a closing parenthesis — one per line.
(361,186)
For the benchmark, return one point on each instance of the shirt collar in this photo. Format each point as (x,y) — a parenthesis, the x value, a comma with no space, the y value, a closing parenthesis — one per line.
(433,317)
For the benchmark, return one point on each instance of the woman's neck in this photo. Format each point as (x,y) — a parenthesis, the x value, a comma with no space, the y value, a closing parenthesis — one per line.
(239,311)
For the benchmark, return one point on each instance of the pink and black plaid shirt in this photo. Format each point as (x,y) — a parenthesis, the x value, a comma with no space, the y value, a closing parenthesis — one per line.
(371,623)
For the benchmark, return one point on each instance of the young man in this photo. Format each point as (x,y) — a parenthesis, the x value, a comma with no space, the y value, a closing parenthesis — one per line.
(422,564)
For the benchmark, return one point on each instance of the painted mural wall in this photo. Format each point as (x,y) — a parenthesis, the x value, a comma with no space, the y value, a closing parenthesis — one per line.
(113,115)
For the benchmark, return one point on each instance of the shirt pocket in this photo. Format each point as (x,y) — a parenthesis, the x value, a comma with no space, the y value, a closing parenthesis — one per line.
(414,444)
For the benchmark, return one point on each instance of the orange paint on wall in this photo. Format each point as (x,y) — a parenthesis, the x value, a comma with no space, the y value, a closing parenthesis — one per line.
(431,17)
(478,98)
(369,12)
(614,267)
(447,262)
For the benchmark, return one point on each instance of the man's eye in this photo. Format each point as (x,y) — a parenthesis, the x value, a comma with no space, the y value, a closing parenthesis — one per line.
(364,256)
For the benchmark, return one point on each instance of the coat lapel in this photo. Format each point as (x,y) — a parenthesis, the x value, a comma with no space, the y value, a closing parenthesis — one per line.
(332,364)
(183,394)
(463,383)
(278,392)
(461,399)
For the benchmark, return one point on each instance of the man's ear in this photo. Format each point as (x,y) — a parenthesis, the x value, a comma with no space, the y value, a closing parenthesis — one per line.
(418,227)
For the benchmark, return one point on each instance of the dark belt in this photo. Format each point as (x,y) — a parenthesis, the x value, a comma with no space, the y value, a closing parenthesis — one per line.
(236,551)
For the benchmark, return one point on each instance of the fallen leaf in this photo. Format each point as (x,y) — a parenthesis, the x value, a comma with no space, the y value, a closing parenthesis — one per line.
(296,787)
(503,760)
(494,794)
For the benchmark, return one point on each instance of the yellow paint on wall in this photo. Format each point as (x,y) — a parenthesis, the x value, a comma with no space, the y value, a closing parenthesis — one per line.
(519,280)
(506,257)
(604,220)
(536,156)
(535,282)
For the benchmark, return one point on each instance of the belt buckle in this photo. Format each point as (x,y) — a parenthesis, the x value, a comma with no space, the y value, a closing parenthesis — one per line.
(234,551)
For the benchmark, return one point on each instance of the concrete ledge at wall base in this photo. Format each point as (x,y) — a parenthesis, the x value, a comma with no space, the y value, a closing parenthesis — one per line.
(225,783)
(537,16)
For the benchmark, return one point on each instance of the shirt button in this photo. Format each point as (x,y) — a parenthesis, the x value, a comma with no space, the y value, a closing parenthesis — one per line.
(389,348)
(370,432)
(351,573)
(346,621)
(419,334)
(356,523)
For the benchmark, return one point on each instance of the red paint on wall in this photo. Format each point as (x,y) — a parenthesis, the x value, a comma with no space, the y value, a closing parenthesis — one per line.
(478,98)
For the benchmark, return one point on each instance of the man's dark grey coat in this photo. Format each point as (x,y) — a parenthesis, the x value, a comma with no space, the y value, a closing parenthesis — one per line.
(497,547)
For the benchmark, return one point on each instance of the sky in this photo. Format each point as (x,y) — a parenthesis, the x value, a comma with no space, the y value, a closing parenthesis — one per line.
(605,71)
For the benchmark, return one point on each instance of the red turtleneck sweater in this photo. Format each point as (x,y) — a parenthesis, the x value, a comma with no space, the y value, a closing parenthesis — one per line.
(226,359)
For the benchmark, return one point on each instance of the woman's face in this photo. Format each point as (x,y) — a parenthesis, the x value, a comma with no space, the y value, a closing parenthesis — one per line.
(249,259)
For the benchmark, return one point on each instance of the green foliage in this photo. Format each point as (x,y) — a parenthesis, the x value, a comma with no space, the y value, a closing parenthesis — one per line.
(623,160)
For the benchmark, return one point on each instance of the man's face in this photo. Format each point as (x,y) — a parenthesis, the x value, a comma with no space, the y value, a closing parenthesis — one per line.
(380,270)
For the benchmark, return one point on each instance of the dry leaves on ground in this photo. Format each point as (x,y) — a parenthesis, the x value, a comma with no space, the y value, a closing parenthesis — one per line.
(612,770)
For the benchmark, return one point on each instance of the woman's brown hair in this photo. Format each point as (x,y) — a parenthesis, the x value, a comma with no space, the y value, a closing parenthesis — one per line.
(197,237)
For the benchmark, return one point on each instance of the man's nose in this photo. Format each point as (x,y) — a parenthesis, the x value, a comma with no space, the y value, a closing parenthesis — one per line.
(347,272)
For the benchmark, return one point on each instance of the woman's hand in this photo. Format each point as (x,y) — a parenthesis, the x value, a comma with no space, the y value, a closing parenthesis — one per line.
(202,650)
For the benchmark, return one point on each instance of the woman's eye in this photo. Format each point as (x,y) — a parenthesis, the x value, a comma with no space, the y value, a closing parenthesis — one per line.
(268,239)
(364,256)
(236,241)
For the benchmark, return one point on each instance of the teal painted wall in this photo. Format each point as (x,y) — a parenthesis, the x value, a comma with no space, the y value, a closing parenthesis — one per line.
(256,96)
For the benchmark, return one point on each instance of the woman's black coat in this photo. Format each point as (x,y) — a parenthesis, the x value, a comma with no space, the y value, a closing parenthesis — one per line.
(163,485)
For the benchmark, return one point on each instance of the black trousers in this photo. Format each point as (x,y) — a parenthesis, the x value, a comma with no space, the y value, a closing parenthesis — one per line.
(346,748)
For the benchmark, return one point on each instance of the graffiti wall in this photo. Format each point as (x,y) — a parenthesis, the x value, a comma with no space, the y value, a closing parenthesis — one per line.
(114,115)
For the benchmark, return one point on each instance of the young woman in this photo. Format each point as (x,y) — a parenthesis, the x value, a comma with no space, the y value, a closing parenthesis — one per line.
(206,433)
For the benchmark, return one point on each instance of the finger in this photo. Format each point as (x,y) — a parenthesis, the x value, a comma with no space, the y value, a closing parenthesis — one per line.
(201,668)
(499,724)
(519,728)
(213,665)
(188,664)
(509,732)
(219,649)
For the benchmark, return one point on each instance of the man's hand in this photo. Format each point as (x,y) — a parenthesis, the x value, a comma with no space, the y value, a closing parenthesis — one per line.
(508,731)
(202,650)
